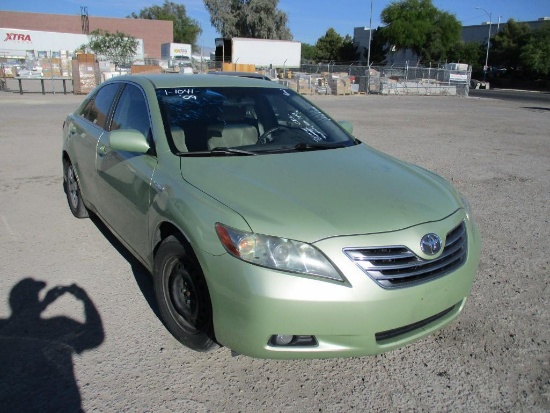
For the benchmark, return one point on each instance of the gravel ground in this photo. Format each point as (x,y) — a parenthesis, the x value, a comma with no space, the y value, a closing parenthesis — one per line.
(496,357)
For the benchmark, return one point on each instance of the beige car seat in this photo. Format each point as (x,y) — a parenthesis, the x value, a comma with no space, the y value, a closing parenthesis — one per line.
(178,136)
(233,131)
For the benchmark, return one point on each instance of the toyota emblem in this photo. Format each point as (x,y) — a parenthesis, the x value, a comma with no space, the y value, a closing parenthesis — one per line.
(430,244)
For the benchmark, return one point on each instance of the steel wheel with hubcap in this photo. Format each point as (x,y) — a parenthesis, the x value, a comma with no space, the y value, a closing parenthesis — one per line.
(72,189)
(182,295)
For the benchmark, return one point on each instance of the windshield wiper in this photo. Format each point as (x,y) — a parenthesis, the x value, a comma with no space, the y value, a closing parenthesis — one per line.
(316,146)
(217,151)
(221,151)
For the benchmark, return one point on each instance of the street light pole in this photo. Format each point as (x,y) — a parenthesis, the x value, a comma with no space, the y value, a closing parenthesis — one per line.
(488,42)
(370,35)
(368,54)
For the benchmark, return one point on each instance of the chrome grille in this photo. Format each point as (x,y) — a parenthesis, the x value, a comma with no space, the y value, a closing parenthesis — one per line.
(394,267)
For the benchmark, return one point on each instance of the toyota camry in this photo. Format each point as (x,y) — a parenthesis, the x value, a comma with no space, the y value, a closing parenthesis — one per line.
(268,228)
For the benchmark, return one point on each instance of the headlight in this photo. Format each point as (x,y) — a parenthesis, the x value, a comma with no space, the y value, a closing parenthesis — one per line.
(466,205)
(278,253)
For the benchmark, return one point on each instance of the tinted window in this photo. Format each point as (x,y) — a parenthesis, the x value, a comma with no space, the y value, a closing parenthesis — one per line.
(131,111)
(262,120)
(97,108)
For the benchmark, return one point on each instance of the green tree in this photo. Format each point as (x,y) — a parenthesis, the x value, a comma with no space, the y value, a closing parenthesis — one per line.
(186,29)
(535,54)
(420,26)
(117,47)
(472,53)
(333,47)
(507,44)
(257,19)
(378,48)
(348,51)
(308,52)
(328,46)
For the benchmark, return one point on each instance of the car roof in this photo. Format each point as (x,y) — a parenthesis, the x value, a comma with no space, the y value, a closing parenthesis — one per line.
(161,81)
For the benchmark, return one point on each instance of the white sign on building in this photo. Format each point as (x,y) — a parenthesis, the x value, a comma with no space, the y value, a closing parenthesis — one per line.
(22,43)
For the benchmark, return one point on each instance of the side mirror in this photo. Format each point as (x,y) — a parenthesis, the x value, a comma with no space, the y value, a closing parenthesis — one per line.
(348,127)
(129,140)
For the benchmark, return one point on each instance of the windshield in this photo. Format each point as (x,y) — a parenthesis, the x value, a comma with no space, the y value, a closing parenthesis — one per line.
(248,121)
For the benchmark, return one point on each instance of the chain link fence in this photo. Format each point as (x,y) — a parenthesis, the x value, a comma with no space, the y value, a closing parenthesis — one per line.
(48,74)
(453,79)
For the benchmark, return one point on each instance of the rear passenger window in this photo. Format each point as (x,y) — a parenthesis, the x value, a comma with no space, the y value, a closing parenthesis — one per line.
(97,109)
(131,111)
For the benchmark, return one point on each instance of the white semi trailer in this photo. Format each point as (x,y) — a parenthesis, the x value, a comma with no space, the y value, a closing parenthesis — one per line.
(262,53)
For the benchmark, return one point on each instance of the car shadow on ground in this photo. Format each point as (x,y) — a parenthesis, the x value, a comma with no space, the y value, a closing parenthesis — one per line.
(143,278)
(542,109)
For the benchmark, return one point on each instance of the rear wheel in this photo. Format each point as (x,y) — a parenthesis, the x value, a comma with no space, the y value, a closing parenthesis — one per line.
(182,296)
(72,189)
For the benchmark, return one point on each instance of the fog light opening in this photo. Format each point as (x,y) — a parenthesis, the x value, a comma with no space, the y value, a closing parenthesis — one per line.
(283,339)
(287,340)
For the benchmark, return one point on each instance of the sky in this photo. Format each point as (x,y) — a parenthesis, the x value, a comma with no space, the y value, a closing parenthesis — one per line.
(308,20)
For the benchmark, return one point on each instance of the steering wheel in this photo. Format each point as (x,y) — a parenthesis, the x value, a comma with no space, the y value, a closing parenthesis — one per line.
(266,136)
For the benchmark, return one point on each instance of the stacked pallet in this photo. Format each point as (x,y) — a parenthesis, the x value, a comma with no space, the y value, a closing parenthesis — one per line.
(339,83)
(86,75)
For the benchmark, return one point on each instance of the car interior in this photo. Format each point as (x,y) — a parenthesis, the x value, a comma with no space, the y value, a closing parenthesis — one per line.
(232,130)
(200,120)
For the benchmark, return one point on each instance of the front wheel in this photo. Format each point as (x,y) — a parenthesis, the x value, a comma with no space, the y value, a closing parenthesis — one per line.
(182,296)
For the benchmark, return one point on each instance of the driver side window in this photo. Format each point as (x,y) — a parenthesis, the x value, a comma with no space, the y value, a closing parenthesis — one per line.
(97,109)
(131,112)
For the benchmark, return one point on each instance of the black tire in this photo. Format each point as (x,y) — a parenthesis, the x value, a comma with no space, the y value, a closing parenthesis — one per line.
(182,296)
(72,190)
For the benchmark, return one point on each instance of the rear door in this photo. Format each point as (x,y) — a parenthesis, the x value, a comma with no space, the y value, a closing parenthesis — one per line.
(85,129)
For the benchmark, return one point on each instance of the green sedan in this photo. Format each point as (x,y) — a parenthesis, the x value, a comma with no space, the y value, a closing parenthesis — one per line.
(267,227)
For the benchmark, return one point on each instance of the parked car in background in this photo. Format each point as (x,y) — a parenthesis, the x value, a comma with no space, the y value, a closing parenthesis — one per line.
(267,226)
(251,75)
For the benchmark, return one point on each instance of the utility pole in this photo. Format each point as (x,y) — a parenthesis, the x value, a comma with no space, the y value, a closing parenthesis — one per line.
(488,43)
(84,20)
(368,53)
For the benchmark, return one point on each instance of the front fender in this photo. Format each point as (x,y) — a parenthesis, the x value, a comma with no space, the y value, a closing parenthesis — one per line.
(192,212)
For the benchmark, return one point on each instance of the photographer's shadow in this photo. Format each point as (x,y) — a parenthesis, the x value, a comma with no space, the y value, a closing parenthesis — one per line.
(36,372)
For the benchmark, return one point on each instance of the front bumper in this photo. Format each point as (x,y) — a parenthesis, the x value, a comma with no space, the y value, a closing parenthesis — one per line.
(355,318)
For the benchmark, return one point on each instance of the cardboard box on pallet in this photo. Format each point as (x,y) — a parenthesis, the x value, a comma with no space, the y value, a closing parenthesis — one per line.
(136,69)
(66,67)
(306,84)
(7,71)
(86,75)
(56,66)
(340,83)
(45,66)
(85,58)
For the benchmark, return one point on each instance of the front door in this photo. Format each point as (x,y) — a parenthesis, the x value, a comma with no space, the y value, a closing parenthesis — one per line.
(124,182)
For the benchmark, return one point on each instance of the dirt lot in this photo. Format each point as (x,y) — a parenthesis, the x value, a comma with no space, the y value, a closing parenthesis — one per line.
(496,357)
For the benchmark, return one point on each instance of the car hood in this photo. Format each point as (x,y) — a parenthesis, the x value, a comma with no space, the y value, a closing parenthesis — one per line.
(308,196)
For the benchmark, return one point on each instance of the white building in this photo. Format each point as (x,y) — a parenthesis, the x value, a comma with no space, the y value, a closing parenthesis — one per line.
(17,43)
